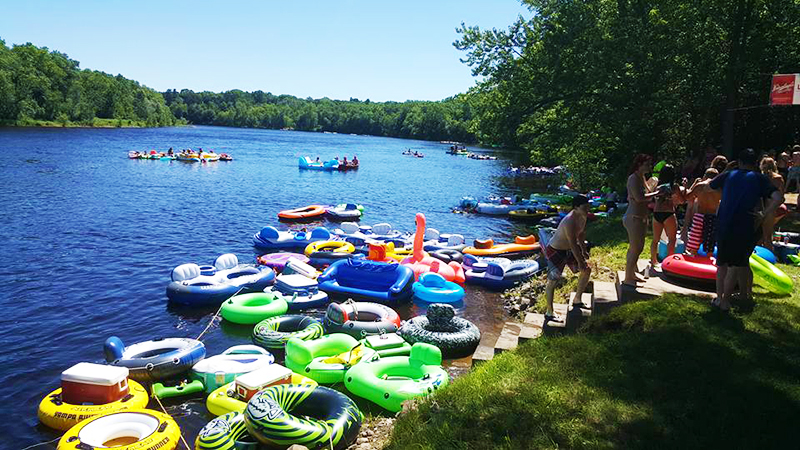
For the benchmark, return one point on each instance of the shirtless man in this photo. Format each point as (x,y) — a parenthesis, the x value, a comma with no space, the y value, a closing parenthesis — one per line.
(703,206)
(567,247)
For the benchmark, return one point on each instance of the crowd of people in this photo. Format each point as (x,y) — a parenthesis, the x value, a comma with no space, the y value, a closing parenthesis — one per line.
(734,206)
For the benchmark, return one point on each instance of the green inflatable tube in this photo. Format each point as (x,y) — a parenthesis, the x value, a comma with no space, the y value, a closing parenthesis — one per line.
(324,360)
(389,381)
(226,432)
(769,276)
(314,416)
(184,388)
(249,309)
(276,331)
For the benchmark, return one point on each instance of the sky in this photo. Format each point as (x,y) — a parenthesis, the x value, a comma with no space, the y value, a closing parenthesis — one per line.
(366,49)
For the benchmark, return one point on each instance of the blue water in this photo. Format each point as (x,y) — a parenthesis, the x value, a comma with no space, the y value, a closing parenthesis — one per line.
(90,237)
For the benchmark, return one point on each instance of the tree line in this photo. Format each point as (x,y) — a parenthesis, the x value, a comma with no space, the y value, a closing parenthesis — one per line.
(448,119)
(38,85)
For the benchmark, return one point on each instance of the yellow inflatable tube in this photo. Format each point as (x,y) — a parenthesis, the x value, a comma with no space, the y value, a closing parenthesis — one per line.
(54,413)
(132,429)
(330,246)
(223,400)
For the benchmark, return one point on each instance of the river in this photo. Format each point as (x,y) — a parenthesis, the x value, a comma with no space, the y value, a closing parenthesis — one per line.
(90,237)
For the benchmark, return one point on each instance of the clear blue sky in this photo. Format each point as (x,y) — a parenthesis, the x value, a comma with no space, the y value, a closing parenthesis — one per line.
(376,49)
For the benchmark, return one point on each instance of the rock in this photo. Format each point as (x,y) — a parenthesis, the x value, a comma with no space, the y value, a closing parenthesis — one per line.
(525,303)
(297,447)
(362,440)
(368,432)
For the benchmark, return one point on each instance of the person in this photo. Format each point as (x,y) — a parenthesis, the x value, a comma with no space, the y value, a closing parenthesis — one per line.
(355,160)
(317,159)
(794,171)
(770,169)
(702,214)
(738,223)
(719,163)
(691,167)
(783,165)
(669,194)
(344,161)
(567,247)
(635,218)
(169,152)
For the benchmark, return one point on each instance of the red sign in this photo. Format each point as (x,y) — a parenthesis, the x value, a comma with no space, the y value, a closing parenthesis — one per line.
(785,90)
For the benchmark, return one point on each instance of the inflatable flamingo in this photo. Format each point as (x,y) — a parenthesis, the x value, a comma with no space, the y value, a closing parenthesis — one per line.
(420,262)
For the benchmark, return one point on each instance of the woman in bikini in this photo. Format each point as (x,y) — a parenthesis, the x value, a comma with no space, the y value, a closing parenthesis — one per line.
(668,195)
(770,169)
(635,218)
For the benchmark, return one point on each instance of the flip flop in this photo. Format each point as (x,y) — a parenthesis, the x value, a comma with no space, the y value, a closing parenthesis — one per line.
(553,318)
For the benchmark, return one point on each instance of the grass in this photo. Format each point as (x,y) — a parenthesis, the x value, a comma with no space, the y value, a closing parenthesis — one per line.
(673,372)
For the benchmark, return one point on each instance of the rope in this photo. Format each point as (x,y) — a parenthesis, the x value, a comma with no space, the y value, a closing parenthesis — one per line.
(180,433)
(216,314)
(42,443)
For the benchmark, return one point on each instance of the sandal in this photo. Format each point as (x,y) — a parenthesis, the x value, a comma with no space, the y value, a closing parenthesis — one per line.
(552,318)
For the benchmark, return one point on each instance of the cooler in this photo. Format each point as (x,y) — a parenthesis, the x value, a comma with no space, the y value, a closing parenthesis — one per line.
(93,383)
(248,384)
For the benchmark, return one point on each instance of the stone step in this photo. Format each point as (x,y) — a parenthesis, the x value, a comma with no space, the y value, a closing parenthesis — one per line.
(482,354)
(529,332)
(604,297)
(509,337)
(586,300)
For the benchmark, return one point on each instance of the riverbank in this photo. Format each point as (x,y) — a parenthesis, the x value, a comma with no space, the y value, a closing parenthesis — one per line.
(673,371)
(94,123)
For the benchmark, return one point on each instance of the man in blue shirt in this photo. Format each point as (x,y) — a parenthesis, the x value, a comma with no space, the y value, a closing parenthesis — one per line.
(738,222)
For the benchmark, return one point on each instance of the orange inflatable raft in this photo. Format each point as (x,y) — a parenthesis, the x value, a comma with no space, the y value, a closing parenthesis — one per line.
(306,212)
(522,246)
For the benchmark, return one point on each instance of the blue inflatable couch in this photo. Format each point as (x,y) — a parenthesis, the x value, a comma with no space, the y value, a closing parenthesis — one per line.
(368,280)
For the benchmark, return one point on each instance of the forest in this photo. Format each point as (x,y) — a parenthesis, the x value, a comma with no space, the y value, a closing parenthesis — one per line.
(43,87)
(584,84)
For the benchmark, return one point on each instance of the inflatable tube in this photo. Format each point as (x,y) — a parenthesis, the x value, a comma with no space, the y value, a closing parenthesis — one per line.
(498,273)
(347,211)
(765,254)
(327,252)
(56,414)
(442,241)
(123,430)
(522,246)
(157,359)
(389,381)
(433,288)
(299,292)
(179,389)
(769,276)
(274,332)
(324,360)
(205,285)
(529,214)
(302,213)
(226,432)
(359,319)
(690,268)
(269,238)
(249,309)
(448,255)
(277,261)
(454,336)
(225,400)
(325,417)
(221,369)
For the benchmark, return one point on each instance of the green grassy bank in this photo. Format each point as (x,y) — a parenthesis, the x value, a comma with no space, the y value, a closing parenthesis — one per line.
(673,372)
(94,123)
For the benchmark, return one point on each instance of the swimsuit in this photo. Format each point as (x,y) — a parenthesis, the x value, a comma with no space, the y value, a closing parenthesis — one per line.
(661,216)
(702,232)
(557,259)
